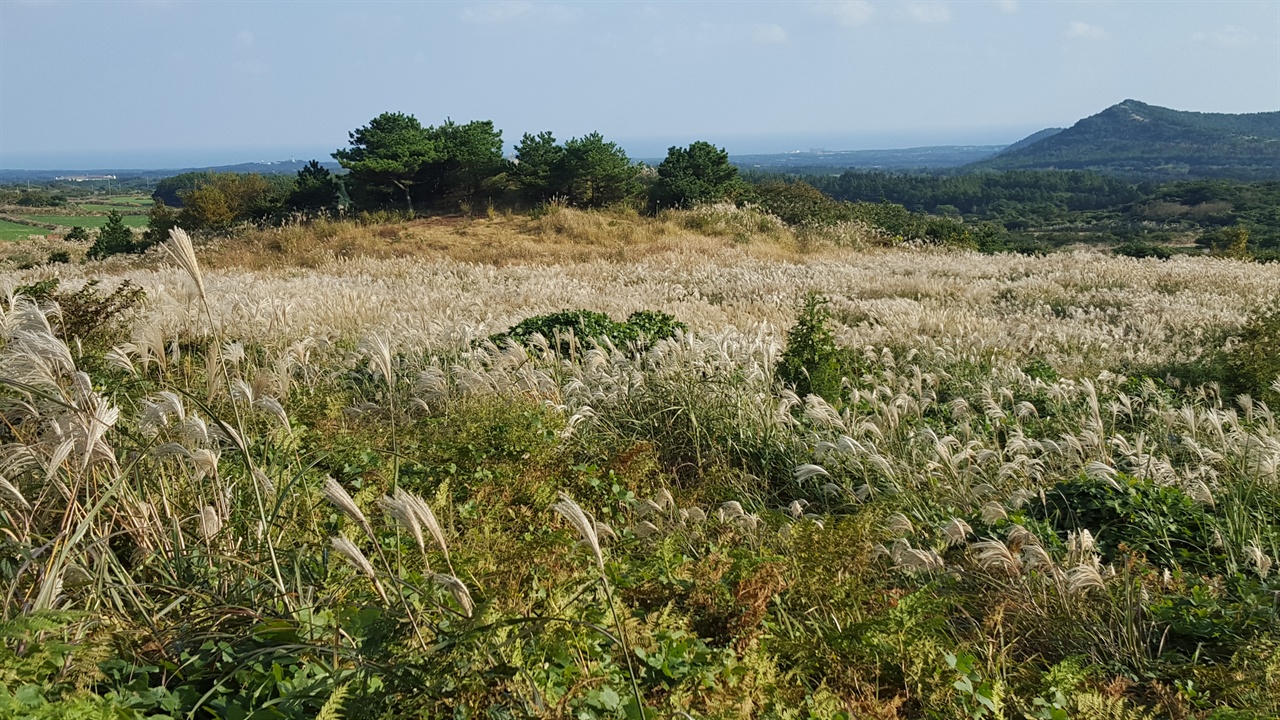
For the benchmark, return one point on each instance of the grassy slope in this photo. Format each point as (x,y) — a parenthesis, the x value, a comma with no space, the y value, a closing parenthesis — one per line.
(364,336)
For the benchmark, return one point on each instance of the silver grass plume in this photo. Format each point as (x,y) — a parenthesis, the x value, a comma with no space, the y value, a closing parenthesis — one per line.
(645,529)
(663,499)
(352,553)
(14,496)
(459,591)
(341,500)
(1259,559)
(956,531)
(210,523)
(398,507)
(900,524)
(1034,556)
(1082,578)
(993,512)
(580,522)
(804,472)
(181,251)
(994,555)
(604,532)
(425,516)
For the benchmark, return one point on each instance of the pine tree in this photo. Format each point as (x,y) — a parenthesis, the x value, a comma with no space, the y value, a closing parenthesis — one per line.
(113,238)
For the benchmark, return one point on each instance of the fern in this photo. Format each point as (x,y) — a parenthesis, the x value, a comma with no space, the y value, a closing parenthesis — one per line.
(333,707)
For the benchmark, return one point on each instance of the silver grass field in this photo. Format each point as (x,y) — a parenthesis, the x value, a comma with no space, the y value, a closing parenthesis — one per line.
(325,491)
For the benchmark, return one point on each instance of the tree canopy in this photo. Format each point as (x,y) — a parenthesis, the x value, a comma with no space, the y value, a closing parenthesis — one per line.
(387,154)
(696,174)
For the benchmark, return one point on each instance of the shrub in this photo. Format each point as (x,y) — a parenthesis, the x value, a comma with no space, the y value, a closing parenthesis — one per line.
(77,234)
(88,313)
(113,239)
(640,330)
(1254,366)
(1143,250)
(811,363)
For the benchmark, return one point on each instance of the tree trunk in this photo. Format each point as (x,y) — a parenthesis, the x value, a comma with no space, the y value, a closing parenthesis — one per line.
(408,199)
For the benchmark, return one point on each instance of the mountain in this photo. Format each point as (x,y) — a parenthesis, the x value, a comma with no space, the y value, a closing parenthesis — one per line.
(940,156)
(1033,138)
(1134,139)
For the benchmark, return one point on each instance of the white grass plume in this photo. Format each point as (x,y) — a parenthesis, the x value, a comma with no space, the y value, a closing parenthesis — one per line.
(582,523)
(428,520)
(210,523)
(13,496)
(459,591)
(995,555)
(398,507)
(956,531)
(341,500)
(348,549)
(1083,578)
(182,252)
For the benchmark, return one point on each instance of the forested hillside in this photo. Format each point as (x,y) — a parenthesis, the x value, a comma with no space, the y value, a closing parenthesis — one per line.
(1139,140)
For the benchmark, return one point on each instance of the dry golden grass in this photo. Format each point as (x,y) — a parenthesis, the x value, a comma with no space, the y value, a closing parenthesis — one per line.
(443,282)
(562,235)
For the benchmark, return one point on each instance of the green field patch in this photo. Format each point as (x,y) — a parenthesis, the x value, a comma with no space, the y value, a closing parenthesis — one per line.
(17,231)
(100,208)
(86,221)
(139,200)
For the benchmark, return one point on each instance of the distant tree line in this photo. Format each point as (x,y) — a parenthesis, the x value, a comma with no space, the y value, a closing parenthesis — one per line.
(1036,210)
(396,163)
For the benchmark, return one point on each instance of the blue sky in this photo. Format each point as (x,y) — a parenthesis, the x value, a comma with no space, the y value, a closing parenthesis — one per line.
(164,83)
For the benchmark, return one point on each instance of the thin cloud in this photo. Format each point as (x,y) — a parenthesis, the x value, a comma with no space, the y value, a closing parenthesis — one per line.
(850,13)
(1228,37)
(511,10)
(768,34)
(245,38)
(1078,30)
(929,13)
(1008,6)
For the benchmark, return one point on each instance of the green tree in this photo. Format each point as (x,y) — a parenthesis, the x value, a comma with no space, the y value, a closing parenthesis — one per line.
(467,158)
(77,234)
(595,173)
(160,220)
(387,154)
(697,174)
(315,189)
(113,238)
(538,160)
(227,198)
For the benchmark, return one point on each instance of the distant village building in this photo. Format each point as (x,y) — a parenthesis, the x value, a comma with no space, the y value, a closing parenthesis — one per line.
(84,178)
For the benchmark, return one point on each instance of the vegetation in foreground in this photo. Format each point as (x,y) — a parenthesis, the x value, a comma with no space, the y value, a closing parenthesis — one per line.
(211,510)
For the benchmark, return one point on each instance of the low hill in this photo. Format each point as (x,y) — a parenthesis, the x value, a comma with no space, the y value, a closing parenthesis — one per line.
(917,158)
(1145,141)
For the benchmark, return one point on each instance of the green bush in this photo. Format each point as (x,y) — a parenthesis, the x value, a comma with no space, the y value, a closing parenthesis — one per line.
(1143,250)
(1254,364)
(640,330)
(88,313)
(812,363)
(114,238)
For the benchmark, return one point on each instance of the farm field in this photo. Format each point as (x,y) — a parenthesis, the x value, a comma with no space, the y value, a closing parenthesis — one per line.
(375,471)
(133,208)
(86,221)
(13,231)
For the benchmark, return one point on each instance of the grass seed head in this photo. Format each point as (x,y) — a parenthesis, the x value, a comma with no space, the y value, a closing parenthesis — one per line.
(461,595)
(337,495)
(583,524)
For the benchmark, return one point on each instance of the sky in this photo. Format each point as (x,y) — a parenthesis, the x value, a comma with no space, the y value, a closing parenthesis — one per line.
(181,83)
